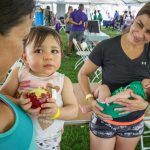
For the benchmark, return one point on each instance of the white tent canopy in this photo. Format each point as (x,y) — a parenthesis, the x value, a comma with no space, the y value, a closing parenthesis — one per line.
(59,7)
(112,2)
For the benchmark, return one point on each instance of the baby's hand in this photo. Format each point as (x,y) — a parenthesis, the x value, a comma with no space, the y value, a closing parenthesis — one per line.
(49,109)
(26,104)
(109,100)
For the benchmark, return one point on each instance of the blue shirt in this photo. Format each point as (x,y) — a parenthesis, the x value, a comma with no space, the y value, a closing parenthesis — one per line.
(77,16)
(21,135)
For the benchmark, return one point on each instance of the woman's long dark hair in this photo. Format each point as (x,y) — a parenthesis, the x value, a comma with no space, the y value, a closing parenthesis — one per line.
(12,13)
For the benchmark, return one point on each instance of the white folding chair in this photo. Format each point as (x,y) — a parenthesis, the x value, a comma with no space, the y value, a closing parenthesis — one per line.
(146,134)
(97,75)
(62,26)
(18,63)
(86,46)
(83,54)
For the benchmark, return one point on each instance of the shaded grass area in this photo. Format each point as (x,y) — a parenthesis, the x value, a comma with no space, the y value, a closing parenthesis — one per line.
(77,137)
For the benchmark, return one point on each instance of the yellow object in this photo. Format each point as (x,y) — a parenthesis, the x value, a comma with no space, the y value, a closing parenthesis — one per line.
(89,96)
(57,114)
(38,91)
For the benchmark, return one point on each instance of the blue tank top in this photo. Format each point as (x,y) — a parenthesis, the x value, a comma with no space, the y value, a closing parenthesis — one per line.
(21,135)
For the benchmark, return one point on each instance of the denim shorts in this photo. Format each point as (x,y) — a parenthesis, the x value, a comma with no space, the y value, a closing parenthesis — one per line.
(78,35)
(103,129)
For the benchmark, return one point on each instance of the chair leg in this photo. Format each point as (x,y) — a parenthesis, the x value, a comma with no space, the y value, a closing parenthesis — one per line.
(80,61)
(142,143)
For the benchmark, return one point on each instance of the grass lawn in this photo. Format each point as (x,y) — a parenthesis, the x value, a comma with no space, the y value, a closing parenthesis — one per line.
(76,137)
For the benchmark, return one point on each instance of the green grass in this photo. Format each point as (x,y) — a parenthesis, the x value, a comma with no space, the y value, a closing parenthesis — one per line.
(77,137)
(110,32)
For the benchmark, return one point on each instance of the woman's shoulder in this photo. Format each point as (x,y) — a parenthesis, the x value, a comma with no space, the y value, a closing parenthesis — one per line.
(6,112)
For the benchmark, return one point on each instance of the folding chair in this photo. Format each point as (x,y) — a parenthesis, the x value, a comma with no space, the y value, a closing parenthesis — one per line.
(97,75)
(146,133)
(62,26)
(18,63)
(86,46)
(98,72)
(83,54)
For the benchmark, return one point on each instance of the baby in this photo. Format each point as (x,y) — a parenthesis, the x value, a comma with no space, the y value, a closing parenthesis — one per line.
(106,99)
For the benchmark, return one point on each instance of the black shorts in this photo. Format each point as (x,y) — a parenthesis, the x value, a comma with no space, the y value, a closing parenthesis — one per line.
(103,129)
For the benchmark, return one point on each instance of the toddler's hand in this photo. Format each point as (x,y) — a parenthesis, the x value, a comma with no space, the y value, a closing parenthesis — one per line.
(49,109)
(26,104)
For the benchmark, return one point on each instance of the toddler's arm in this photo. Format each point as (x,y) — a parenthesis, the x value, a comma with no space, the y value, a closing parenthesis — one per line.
(70,108)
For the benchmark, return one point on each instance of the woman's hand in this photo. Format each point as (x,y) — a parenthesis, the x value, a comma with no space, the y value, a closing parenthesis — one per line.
(97,109)
(138,103)
(49,109)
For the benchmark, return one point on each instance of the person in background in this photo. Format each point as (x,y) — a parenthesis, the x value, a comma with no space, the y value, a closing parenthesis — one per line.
(100,18)
(16,128)
(128,21)
(115,20)
(95,16)
(47,16)
(66,21)
(78,19)
(124,59)
(42,60)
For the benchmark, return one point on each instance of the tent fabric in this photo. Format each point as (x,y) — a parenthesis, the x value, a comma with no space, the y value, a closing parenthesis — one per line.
(112,2)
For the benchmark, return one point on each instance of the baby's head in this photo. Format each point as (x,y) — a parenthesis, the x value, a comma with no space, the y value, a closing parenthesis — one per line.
(42,51)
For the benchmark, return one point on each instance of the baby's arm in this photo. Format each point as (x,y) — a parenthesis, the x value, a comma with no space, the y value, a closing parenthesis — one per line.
(123,94)
(70,108)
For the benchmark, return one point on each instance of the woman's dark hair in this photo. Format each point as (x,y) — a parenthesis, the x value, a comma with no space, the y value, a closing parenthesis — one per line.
(38,35)
(145,10)
(12,13)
